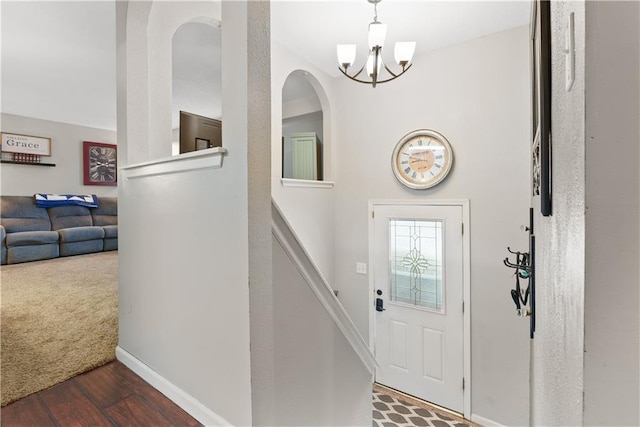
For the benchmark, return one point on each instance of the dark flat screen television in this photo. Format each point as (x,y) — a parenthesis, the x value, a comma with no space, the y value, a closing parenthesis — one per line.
(199,132)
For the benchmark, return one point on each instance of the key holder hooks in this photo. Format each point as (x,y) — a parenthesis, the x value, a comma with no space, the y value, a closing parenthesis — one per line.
(524,267)
(522,271)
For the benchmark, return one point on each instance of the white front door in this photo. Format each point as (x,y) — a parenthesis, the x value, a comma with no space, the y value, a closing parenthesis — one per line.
(417,271)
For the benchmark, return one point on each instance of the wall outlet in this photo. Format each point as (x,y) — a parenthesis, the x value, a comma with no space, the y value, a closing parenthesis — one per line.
(361,267)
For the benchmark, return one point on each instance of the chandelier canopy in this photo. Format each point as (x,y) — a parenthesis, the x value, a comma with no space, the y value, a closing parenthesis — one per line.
(403,53)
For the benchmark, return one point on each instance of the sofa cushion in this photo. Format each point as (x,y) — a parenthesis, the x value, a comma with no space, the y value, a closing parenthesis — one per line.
(79,248)
(110,231)
(20,213)
(31,238)
(32,253)
(80,234)
(69,216)
(107,211)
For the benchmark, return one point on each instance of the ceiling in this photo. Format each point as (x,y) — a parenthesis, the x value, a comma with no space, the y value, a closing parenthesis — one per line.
(312,29)
(58,58)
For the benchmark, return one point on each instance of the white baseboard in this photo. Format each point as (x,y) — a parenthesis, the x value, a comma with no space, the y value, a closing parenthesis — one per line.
(181,398)
(485,422)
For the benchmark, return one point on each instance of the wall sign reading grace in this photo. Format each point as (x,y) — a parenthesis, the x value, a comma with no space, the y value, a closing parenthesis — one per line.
(26,144)
(100,163)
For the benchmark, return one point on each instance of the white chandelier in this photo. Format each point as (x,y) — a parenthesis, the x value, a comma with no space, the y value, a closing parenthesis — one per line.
(403,53)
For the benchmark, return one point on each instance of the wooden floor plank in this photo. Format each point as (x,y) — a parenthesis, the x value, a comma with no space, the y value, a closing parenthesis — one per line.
(105,386)
(154,398)
(26,412)
(133,411)
(70,407)
(111,395)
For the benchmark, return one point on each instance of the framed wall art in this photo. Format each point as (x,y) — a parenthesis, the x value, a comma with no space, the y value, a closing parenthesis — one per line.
(100,163)
(26,144)
(541,179)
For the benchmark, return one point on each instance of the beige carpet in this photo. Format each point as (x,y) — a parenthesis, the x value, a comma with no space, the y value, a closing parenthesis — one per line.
(59,318)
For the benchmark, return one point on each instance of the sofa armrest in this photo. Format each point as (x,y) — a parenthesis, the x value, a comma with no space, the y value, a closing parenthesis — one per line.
(3,234)
(110,231)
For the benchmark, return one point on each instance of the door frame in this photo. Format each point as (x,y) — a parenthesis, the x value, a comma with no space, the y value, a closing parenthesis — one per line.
(466,281)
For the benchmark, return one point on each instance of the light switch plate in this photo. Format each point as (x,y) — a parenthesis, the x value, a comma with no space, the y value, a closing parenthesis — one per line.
(361,267)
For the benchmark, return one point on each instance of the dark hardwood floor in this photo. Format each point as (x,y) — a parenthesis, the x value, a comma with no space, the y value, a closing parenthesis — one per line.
(111,395)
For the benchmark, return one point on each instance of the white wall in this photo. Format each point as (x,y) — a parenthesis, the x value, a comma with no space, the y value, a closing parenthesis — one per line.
(319,379)
(612,329)
(476,94)
(66,153)
(557,350)
(310,211)
(585,355)
(184,238)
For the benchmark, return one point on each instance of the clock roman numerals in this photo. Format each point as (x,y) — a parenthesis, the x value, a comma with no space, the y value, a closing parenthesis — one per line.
(421,159)
(101,164)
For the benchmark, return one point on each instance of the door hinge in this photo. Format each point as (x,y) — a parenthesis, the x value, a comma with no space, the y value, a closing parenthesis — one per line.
(463,383)
(373,214)
(462,227)
(463,306)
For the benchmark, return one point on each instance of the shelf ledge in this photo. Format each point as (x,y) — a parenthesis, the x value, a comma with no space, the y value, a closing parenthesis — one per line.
(306,183)
(210,158)
(12,162)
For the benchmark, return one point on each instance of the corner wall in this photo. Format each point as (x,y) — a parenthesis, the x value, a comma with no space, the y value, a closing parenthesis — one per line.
(66,153)
(310,209)
(476,94)
(557,352)
(612,324)
(184,234)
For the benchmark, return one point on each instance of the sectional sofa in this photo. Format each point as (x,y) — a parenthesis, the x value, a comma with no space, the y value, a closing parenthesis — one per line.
(30,233)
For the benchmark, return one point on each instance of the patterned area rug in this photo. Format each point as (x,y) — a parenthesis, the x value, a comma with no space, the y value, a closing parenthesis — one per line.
(392,411)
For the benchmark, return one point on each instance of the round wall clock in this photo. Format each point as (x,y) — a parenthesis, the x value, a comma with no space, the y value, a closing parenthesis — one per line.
(422,159)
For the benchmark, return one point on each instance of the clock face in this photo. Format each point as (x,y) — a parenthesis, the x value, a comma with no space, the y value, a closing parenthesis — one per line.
(102,164)
(422,159)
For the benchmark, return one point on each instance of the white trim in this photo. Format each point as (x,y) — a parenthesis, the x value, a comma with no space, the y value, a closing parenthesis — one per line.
(306,183)
(486,422)
(210,158)
(290,243)
(181,398)
(466,272)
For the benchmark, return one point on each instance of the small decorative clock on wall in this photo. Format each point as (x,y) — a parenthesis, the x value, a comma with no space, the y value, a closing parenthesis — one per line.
(100,163)
(422,159)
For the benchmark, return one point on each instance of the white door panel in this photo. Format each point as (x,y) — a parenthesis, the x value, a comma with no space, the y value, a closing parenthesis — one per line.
(417,268)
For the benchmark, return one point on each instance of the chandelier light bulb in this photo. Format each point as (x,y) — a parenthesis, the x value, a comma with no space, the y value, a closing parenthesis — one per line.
(403,52)
(377,34)
(371,64)
(346,54)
